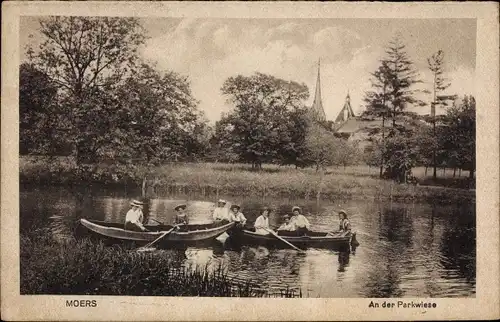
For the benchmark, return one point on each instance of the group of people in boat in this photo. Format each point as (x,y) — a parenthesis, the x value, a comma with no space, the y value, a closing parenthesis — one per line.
(295,225)
(135,217)
(222,214)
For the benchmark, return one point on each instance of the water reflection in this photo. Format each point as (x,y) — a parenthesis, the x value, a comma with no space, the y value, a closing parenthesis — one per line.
(458,247)
(413,250)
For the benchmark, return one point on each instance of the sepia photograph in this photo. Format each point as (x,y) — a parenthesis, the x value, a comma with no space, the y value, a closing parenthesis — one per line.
(248,157)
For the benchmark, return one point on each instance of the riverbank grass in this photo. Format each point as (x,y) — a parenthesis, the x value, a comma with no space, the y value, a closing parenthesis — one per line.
(85,267)
(358,182)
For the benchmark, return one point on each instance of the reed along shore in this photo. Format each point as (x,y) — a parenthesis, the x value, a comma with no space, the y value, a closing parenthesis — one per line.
(359,182)
(87,267)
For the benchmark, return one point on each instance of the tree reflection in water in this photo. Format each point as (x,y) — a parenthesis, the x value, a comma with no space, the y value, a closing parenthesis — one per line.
(458,244)
(395,233)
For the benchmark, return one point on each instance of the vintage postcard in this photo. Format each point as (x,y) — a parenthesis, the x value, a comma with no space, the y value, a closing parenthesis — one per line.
(250,161)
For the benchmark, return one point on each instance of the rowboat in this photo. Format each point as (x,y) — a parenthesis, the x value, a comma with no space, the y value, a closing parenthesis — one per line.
(312,239)
(189,233)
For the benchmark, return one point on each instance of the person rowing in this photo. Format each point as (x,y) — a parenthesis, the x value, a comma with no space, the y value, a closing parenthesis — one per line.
(135,217)
(237,216)
(344,225)
(221,213)
(262,223)
(299,221)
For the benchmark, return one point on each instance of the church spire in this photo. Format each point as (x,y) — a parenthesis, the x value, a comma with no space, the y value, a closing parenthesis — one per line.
(317,106)
(346,113)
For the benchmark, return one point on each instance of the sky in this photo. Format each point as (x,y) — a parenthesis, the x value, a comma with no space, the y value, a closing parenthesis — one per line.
(209,51)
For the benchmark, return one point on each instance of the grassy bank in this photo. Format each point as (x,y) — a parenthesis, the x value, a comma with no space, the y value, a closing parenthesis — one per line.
(236,180)
(88,268)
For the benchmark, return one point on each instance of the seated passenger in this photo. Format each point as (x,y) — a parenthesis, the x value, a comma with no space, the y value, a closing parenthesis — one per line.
(299,221)
(262,223)
(287,228)
(134,217)
(181,217)
(238,216)
(221,213)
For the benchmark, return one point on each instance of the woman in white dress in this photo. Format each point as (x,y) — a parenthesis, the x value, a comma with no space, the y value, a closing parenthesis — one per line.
(262,223)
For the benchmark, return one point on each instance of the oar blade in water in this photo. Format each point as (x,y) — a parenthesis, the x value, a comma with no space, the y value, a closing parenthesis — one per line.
(222,238)
(146,249)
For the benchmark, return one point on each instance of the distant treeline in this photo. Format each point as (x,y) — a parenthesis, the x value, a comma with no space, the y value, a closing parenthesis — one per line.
(86,92)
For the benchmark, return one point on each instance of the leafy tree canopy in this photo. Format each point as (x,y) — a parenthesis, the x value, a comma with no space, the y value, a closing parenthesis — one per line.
(267,123)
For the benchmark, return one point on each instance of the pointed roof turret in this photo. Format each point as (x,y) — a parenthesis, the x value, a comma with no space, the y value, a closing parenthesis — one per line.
(317,106)
(346,113)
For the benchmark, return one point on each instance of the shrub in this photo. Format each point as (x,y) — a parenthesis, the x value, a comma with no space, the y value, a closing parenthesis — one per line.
(87,268)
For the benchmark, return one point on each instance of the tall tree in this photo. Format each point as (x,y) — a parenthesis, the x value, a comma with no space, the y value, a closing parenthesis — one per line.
(346,153)
(83,53)
(263,116)
(440,83)
(402,77)
(154,117)
(293,149)
(321,147)
(459,133)
(38,112)
(377,102)
(87,57)
(393,92)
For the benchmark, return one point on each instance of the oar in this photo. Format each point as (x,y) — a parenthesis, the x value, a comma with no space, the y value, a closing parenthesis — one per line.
(156,221)
(283,240)
(157,239)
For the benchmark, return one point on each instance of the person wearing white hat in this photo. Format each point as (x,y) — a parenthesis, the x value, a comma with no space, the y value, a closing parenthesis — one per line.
(299,221)
(134,217)
(221,213)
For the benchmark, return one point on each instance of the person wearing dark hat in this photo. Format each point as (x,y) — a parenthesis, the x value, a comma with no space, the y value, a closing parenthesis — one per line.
(221,213)
(344,225)
(287,227)
(299,221)
(181,217)
(134,217)
(262,222)
(237,216)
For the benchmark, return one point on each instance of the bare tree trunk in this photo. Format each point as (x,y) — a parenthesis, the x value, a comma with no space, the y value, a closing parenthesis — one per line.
(454,172)
(383,144)
(473,165)
(444,171)
(459,172)
(433,105)
(144,181)
(434,173)
(425,174)
(471,173)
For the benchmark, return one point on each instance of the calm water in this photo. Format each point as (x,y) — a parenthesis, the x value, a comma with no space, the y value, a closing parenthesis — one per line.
(406,250)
